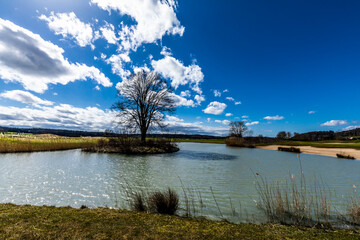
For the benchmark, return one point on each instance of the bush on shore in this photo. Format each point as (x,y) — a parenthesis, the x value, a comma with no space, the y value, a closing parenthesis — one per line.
(238,142)
(166,202)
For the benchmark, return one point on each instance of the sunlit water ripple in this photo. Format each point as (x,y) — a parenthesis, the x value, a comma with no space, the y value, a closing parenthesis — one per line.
(76,178)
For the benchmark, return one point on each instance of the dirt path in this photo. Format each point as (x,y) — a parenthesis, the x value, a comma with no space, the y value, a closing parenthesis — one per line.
(319,151)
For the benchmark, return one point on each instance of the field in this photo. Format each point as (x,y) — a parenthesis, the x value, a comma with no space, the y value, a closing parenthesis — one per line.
(222,141)
(324,144)
(33,222)
(31,143)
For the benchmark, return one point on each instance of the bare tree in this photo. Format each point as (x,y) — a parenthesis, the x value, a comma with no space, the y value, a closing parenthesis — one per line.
(237,128)
(144,98)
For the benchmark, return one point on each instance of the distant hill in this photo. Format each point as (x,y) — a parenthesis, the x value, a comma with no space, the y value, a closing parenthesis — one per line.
(75,133)
(327,135)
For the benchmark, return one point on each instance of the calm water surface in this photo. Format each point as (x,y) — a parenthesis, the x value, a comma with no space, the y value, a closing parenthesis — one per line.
(75,178)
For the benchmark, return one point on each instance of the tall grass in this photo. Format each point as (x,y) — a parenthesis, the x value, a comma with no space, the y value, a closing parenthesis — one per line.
(13,145)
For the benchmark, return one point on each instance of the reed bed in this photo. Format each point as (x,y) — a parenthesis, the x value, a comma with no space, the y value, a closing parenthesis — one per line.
(14,145)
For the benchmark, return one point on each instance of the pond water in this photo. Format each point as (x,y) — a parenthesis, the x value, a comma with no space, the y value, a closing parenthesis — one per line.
(222,177)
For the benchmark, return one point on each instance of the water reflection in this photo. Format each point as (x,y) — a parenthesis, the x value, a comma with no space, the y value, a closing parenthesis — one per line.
(204,155)
(75,178)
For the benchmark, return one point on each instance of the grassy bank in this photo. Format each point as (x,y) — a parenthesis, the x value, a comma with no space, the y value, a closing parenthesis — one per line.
(31,222)
(222,141)
(322,144)
(46,143)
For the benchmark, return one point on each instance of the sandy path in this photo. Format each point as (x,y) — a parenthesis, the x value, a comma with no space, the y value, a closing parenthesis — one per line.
(319,151)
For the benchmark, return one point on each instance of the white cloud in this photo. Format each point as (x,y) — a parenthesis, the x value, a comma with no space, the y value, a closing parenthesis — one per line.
(217,93)
(199,99)
(97,88)
(244,116)
(24,97)
(60,116)
(117,64)
(215,108)
(230,99)
(237,103)
(185,93)
(108,33)
(350,128)
(28,59)
(228,114)
(169,67)
(174,119)
(165,51)
(312,112)
(252,123)
(69,26)
(208,119)
(334,123)
(181,101)
(225,91)
(277,117)
(154,19)
(225,122)
(194,128)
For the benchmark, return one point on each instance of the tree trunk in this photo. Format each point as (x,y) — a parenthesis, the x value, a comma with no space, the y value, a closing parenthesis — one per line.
(143,136)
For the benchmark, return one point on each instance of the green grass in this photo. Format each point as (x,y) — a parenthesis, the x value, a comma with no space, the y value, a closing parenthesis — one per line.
(32,222)
(323,144)
(32,144)
(222,141)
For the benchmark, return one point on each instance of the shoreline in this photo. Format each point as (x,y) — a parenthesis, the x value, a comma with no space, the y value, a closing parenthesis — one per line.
(330,152)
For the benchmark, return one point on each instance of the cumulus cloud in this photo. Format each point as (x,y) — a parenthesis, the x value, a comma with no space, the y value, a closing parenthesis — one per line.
(351,128)
(228,114)
(28,59)
(60,116)
(154,19)
(237,103)
(181,101)
(225,91)
(334,123)
(174,119)
(217,93)
(225,122)
(185,93)
(24,97)
(108,33)
(252,123)
(312,112)
(117,62)
(166,51)
(183,127)
(171,68)
(199,99)
(244,116)
(215,108)
(69,26)
(277,117)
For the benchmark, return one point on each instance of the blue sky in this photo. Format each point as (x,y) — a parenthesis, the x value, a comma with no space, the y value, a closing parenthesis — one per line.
(277,65)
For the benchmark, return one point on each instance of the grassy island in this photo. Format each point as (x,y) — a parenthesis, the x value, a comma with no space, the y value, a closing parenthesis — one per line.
(129,145)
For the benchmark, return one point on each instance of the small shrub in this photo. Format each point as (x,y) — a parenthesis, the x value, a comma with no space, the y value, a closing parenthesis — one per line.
(164,202)
(346,156)
(138,203)
(289,149)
